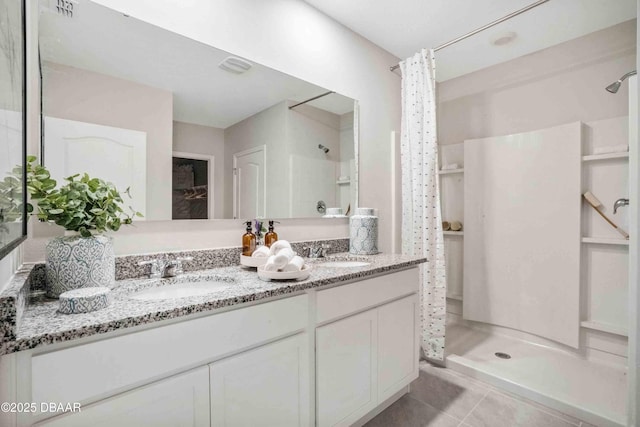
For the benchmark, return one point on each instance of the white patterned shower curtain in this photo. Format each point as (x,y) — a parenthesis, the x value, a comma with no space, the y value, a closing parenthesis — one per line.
(421,218)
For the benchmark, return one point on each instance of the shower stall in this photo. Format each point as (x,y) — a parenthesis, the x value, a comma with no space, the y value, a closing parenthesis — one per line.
(538,284)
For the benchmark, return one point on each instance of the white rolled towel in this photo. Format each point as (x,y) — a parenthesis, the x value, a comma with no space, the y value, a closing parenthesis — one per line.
(270,265)
(276,246)
(261,252)
(284,256)
(296,264)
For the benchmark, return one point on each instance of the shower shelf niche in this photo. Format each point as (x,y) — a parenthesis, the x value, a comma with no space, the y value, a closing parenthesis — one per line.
(608,156)
(604,327)
(450,171)
(457,297)
(605,241)
(453,233)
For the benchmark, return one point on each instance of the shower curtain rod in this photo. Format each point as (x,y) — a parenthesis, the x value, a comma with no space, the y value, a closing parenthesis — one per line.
(311,99)
(489,25)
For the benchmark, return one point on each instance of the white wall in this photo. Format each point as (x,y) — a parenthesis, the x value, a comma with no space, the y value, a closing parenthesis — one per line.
(81,95)
(554,86)
(293,37)
(198,139)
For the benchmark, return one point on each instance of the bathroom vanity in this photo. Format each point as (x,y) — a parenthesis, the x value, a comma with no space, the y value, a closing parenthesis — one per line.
(334,349)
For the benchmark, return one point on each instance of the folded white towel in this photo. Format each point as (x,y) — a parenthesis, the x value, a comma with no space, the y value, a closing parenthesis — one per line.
(276,246)
(296,264)
(270,264)
(450,166)
(284,256)
(261,252)
(611,149)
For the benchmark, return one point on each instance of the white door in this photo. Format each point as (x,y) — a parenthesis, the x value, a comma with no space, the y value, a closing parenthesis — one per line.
(268,386)
(249,183)
(346,383)
(398,349)
(179,401)
(112,154)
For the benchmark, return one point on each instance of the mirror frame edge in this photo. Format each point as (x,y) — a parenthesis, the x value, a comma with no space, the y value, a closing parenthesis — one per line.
(11,246)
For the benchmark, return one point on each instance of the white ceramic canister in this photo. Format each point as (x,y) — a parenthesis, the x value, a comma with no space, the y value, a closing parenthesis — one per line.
(363,227)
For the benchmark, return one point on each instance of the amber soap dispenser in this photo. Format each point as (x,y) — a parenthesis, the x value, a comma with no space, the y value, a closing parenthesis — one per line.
(248,241)
(271,236)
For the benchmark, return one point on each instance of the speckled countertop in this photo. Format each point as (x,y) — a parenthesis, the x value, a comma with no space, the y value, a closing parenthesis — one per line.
(42,324)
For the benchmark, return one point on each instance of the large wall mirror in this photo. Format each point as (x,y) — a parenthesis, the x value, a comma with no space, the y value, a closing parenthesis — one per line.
(12,125)
(196,132)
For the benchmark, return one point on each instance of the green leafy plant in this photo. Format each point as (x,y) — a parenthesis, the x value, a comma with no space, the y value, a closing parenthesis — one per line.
(83,204)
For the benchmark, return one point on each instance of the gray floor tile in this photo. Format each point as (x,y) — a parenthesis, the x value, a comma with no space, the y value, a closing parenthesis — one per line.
(567,418)
(498,410)
(408,412)
(447,392)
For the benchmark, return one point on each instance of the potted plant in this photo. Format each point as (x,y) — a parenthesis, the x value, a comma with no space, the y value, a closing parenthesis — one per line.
(86,208)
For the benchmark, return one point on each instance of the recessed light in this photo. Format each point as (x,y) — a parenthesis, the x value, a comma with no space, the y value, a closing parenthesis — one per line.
(503,39)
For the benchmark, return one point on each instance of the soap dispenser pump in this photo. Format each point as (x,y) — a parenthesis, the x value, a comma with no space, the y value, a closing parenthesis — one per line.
(248,241)
(271,237)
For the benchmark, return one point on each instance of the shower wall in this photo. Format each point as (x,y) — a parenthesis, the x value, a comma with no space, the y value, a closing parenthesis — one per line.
(559,85)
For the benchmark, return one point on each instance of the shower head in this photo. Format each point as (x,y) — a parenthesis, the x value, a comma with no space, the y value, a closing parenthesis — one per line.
(613,87)
(323,148)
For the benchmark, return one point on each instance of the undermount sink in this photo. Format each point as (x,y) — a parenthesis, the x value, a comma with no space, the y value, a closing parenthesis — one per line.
(180,290)
(344,264)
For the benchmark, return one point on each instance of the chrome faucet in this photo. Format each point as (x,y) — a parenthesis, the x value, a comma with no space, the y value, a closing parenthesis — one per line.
(317,251)
(161,268)
(619,203)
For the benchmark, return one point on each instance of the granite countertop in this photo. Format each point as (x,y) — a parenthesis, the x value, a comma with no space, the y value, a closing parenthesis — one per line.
(42,324)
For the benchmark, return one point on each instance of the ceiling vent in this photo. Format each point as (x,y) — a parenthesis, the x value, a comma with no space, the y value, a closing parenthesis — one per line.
(504,39)
(235,65)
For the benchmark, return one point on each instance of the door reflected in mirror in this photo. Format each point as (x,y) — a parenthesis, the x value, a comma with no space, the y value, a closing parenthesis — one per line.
(194,131)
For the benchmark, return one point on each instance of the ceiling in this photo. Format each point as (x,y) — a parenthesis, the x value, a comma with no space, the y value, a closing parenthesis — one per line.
(102,40)
(403,27)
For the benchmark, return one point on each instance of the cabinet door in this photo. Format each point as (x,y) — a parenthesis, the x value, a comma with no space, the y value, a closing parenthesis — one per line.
(179,401)
(398,350)
(268,386)
(346,369)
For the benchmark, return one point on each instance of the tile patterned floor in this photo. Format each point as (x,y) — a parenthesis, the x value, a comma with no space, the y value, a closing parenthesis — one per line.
(444,398)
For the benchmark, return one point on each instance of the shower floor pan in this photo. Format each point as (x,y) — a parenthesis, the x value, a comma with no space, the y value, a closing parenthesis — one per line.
(593,391)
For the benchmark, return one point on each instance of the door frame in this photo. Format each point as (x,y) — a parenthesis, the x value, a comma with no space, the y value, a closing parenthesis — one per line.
(257,149)
(210,175)
(633,362)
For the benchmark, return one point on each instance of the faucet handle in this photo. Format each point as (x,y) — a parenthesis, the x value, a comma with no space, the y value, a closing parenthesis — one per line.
(179,261)
(155,267)
(324,249)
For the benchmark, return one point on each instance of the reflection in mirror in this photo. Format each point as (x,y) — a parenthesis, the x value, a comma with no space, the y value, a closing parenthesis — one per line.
(194,131)
(12,125)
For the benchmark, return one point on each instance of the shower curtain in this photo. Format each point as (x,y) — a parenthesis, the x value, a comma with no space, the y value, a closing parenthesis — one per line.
(421,219)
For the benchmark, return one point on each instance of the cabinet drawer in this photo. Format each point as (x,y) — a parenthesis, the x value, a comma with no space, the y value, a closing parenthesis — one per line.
(177,401)
(100,368)
(343,300)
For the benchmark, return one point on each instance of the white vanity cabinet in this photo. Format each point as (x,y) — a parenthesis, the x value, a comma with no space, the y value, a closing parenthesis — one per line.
(322,357)
(181,400)
(268,386)
(365,358)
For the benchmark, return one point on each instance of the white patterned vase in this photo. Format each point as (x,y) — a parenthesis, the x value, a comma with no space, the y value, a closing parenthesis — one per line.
(79,262)
(363,228)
